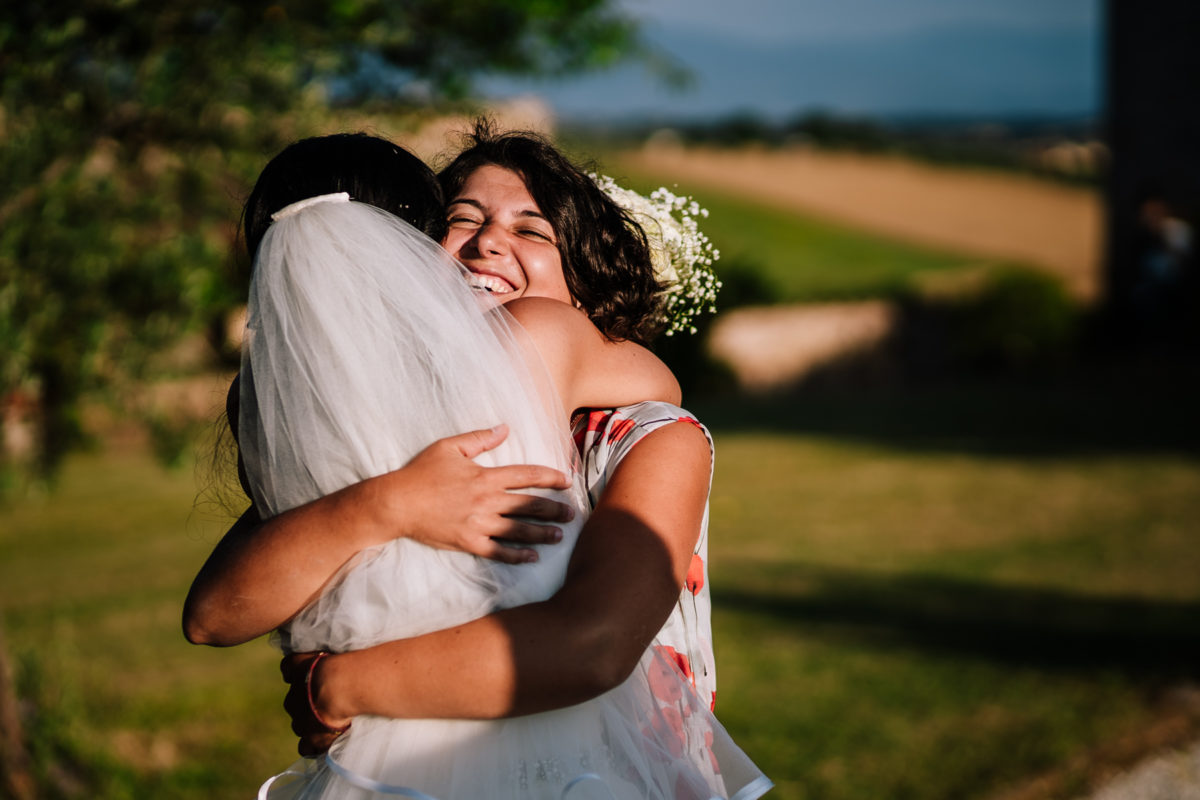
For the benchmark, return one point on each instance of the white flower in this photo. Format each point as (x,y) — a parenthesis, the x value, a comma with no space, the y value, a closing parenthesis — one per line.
(682,256)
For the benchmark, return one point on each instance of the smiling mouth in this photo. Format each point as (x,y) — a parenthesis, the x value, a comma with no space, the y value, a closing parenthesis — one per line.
(490,283)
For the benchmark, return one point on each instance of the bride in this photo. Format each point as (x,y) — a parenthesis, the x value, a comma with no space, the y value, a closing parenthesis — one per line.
(365,344)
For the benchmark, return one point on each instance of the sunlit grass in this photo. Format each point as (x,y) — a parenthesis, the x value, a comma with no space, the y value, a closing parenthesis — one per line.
(93,577)
(932,623)
(891,622)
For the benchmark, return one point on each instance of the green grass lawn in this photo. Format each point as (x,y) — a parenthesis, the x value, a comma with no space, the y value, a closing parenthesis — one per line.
(938,625)
(940,592)
(898,613)
(92,580)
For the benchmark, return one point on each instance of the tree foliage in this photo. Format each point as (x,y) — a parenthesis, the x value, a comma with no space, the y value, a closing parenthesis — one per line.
(132,127)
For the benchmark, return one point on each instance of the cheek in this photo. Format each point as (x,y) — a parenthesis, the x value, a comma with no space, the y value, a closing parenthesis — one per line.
(453,242)
(546,278)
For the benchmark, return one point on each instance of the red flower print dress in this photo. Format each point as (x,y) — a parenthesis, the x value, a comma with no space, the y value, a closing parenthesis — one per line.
(604,437)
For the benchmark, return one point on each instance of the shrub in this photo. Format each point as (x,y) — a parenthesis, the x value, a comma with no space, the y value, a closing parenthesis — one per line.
(1019,318)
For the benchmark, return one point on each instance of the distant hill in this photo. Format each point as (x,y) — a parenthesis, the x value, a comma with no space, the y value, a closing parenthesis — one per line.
(955,70)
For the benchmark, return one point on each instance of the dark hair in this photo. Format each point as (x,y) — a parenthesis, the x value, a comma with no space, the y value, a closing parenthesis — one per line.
(371,170)
(606,261)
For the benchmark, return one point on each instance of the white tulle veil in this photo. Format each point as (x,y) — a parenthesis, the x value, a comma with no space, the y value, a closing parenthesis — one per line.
(365,344)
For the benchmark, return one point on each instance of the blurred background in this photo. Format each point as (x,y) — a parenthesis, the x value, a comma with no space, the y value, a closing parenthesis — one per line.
(953,380)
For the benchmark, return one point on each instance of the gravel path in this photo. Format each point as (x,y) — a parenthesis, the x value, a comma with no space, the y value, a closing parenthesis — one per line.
(771,347)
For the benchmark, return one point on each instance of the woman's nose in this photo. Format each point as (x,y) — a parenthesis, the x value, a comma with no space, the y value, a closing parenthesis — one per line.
(490,239)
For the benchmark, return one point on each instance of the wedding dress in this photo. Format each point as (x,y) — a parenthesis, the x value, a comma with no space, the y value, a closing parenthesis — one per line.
(365,343)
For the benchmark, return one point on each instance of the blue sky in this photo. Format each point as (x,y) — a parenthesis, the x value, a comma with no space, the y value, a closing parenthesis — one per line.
(813,20)
(782,57)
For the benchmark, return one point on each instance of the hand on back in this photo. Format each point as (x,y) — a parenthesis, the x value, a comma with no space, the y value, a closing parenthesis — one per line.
(443,499)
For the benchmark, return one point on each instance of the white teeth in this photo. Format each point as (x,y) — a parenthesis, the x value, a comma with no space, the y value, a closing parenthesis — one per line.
(489,283)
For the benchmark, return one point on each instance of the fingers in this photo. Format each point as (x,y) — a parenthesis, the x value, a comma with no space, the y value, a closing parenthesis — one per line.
(294,667)
(304,724)
(296,706)
(314,737)
(498,551)
(521,476)
(504,547)
(517,532)
(529,476)
(316,744)
(533,507)
(473,443)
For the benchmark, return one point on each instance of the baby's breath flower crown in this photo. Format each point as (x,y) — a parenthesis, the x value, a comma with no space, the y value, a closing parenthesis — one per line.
(682,256)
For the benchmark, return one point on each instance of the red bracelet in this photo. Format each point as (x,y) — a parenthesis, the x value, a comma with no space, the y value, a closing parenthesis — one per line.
(312,667)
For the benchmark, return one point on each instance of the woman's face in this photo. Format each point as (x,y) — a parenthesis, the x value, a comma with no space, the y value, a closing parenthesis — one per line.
(498,232)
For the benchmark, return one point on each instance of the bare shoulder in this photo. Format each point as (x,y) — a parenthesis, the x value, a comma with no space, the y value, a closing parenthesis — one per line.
(561,333)
(663,481)
(542,313)
(682,443)
(674,459)
(589,369)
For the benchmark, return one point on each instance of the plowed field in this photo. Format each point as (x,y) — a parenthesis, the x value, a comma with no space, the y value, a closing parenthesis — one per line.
(978,212)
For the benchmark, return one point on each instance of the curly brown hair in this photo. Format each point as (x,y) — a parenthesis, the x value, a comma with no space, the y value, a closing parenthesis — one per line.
(606,260)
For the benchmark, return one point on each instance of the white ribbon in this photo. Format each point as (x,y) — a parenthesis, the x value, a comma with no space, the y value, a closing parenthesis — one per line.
(264,790)
(587,776)
(372,785)
(295,208)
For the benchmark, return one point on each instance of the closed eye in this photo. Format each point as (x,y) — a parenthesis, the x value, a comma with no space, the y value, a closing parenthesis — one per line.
(536,234)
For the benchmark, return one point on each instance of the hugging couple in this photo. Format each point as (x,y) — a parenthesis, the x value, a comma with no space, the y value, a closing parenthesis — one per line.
(479,517)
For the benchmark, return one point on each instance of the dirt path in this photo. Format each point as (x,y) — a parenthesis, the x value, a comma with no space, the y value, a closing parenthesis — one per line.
(990,214)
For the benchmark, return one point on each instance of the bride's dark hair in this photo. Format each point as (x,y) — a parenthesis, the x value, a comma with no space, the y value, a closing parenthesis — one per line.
(371,170)
(605,258)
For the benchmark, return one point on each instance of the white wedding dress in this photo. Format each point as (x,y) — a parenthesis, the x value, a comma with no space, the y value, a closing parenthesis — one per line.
(365,344)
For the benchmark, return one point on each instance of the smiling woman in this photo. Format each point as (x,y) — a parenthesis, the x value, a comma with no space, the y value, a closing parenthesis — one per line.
(523,187)
(498,232)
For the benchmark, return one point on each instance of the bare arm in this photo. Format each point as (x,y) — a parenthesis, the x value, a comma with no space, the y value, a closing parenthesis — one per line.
(625,576)
(261,575)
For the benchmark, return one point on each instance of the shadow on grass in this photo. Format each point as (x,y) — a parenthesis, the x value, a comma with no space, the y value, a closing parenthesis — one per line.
(1130,407)
(1044,629)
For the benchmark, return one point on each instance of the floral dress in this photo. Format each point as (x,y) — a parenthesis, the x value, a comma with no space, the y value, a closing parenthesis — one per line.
(604,437)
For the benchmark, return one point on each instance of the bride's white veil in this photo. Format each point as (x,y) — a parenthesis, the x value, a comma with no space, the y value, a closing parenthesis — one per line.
(364,345)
